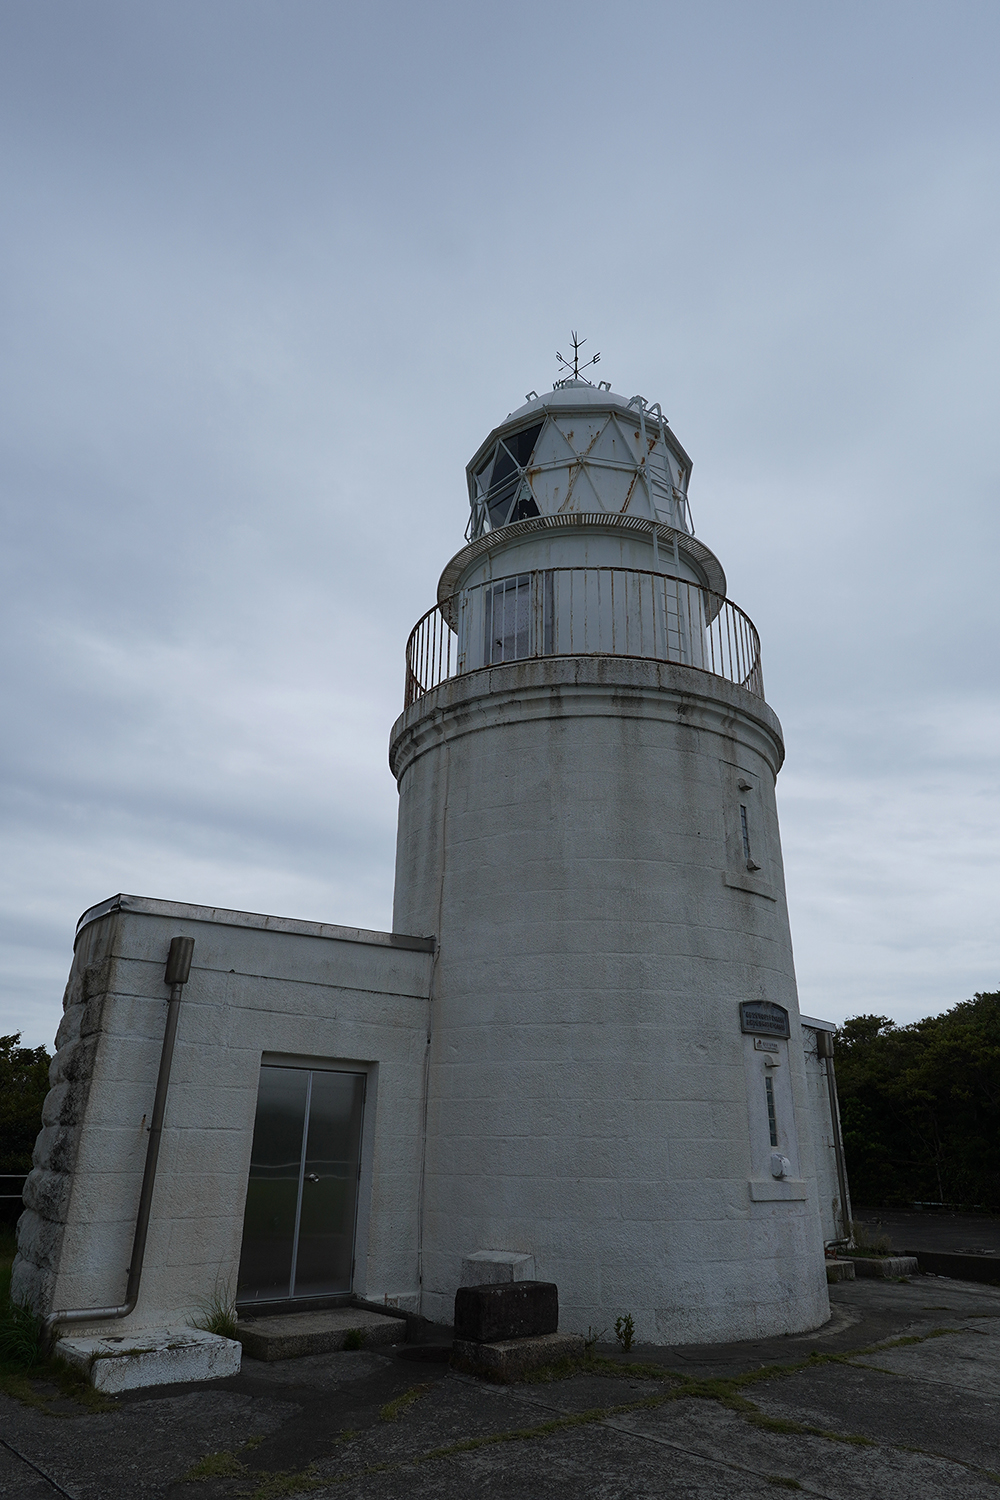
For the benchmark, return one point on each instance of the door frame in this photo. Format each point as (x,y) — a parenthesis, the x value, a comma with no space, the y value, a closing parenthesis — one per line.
(359,1276)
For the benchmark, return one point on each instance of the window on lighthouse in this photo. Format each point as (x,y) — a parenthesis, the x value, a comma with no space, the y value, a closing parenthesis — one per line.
(751,863)
(772,1118)
(508,620)
(501,482)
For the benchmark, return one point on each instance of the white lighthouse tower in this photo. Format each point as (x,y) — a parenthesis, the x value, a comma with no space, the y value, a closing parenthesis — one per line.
(615,1084)
(578,1055)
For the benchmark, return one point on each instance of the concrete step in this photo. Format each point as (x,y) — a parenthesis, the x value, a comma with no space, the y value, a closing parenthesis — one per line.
(984,1266)
(885,1265)
(291,1335)
(150,1356)
(510,1359)
(839,1270)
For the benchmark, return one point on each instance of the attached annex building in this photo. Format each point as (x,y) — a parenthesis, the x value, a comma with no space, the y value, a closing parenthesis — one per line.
(580,1048)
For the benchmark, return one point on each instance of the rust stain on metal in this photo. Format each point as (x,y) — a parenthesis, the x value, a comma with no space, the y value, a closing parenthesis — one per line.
(599,433)
(574,471)
(628,496)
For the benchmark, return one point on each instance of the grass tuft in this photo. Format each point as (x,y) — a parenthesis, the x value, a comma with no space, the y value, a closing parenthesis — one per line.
(26,1374)
(393,1409)
(219,1314)
(596,1364)
(20,1327)
(291,1482)
(20,1335)
(875,1243)
(214,1466)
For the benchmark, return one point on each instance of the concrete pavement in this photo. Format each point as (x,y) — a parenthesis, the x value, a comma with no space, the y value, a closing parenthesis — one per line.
(898,1395)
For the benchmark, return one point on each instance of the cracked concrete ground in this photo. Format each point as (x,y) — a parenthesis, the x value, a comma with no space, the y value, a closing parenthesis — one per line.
(897,1396)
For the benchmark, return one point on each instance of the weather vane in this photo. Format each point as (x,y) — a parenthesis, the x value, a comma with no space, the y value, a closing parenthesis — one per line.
(575,368)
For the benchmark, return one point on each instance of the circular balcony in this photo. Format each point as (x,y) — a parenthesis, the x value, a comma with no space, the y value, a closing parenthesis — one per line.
(583,612)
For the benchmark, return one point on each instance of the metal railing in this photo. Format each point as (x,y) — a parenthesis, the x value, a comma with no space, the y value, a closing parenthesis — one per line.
(583,612)
(12,1186)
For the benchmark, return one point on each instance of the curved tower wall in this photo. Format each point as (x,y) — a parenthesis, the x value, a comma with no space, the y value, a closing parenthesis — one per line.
(574,831)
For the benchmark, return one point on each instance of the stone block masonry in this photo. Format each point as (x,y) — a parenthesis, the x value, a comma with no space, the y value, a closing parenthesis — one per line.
(519,1309)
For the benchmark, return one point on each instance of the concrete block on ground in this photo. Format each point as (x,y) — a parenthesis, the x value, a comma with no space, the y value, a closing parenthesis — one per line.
(292,1335)
(840,1270)
(511,1359)
(960,1266)
(885,1265)
(153,1356)
(511,1310)
(488,1267)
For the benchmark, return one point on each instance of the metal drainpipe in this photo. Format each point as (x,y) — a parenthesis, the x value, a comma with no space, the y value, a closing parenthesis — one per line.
(824,1049)
(178,970)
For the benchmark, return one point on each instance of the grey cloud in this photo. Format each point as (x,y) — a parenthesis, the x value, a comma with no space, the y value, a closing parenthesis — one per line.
(271,274)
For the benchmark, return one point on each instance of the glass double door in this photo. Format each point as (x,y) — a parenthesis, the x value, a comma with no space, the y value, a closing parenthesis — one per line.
(302,1196)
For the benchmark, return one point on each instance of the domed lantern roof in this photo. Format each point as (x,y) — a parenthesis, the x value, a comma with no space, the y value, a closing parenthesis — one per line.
(580,448)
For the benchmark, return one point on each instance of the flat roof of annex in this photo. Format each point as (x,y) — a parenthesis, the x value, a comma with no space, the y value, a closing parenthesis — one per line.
(224,917)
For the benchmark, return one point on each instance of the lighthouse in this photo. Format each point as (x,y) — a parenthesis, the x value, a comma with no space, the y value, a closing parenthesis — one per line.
(577,1058)
(615,1085)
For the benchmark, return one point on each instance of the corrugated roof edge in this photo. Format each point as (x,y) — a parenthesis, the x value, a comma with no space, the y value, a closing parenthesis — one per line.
(818,1025)
(149,906)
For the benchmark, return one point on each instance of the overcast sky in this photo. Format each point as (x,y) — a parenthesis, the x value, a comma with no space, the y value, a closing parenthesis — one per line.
(271,272)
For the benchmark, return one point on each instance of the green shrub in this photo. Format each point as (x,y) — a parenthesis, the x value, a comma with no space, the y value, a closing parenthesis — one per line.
(24,1082)
(625,1331)
(20,1329)
(869,1242)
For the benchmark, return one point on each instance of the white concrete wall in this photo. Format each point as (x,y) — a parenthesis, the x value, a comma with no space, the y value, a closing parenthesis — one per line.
(569,829)
(589,547)
(574,539)
(258,985)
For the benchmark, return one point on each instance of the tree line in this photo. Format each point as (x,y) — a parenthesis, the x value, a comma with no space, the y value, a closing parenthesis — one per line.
(24,1082)
(920,1107)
